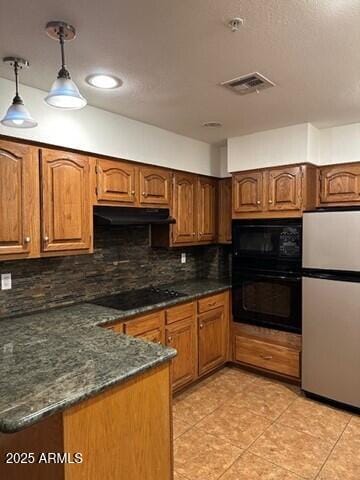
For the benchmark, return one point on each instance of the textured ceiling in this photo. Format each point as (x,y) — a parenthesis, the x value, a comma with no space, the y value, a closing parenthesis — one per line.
(172,55)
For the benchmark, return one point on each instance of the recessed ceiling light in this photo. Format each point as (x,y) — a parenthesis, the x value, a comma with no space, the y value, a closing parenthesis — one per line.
(212,124)
(102,80)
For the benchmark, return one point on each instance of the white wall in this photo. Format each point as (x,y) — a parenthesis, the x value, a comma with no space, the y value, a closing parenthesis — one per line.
(98,131)
(294,144)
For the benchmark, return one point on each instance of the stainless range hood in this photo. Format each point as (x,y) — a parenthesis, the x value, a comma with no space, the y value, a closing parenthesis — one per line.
(117,216)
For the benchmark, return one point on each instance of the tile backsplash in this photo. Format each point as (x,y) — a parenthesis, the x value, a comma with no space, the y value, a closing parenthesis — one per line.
(122,260)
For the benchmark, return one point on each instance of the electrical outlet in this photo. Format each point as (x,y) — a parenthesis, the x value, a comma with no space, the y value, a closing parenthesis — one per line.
(6,281)
(183,258)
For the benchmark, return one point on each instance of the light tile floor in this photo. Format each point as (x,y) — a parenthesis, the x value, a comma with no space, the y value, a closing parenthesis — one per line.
(239,426)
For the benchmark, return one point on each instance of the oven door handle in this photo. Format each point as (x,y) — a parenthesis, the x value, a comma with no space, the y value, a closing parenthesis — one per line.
(255,276)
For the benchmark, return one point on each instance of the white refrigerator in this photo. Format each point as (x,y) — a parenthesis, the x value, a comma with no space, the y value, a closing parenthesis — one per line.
(331,305)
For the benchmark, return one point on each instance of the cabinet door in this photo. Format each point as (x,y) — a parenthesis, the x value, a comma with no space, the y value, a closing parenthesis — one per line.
(66,209)
(206,207)
(285,189)
(149,327)
(340,184)
(181,335)
(19,200)
(116,182)
(184,208)
(155,185)
(248,192)
(212,339)
(224,211)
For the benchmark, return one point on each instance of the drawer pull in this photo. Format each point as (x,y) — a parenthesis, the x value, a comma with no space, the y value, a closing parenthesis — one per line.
(27,240)
(201,325)
(169,339)
(266,357)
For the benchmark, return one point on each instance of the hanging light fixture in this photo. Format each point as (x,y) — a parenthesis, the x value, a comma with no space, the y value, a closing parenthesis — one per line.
(64,93)
(17,114)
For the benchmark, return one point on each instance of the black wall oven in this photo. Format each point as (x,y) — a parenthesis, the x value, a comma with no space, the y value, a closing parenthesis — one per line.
(267,273)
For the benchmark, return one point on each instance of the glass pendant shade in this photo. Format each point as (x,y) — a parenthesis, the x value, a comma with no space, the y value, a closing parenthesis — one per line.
(18,116)
(65,94)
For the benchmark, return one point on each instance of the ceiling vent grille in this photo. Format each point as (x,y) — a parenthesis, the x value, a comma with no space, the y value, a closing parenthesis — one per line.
(253,82)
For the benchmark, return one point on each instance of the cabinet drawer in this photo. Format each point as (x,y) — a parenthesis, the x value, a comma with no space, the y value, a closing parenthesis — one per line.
(180,312)
(210,303)
(140,326)
(266,355)
(152,336)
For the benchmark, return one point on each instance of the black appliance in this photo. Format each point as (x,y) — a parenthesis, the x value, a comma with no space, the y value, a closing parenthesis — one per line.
(143,297)
(117,216)
(266,273)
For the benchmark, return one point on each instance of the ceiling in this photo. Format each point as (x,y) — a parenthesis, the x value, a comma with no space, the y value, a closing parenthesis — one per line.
(172,54)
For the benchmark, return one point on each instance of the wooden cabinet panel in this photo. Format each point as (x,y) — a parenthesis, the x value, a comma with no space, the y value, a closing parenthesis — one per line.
(273,357)
(206,207)
(19,201)
(155,186)
(116,182)
(66,210)
(284,188)
(224,211)
(212,332)
(147,326)
(248,192)
(214,301)
(181,335)
(340,184)
(185,310)
(184,208)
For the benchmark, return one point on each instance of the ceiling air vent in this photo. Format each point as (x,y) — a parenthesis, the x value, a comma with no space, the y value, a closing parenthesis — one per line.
(253,82)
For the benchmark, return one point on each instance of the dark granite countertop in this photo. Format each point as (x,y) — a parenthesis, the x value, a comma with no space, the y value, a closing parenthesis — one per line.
(52,360)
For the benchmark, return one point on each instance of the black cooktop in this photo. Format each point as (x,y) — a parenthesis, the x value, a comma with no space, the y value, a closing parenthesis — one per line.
(143,297)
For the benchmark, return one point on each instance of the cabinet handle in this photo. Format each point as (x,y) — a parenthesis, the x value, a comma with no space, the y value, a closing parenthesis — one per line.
(270,201)
(266,357)
(258,202)
(144,194)
(169,339)
(193,234)
(132,192)
(27,239)
(46,238)
(201,325)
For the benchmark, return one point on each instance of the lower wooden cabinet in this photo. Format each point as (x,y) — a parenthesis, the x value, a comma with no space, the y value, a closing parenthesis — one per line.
(148,327)
(181,335)
(267,349)
(213,334)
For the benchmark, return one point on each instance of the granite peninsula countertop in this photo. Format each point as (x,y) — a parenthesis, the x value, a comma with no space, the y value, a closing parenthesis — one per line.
(54,359)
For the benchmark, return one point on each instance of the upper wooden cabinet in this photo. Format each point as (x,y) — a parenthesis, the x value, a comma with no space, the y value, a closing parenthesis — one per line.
(116,182)
(224,211)
(285,189)
(276,192)
(248,192)
(207,209)
(184,208)
(340,184)
(19,201)
(65,192)
(155,186)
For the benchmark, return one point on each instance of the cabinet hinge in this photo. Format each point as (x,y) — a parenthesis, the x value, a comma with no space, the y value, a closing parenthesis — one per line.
(96,191)
(96,169)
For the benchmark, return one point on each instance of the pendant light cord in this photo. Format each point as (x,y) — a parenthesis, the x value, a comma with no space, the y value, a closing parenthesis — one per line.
(63,72)
(17,99)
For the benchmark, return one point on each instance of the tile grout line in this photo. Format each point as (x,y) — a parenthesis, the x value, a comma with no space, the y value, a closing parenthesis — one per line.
(333,448)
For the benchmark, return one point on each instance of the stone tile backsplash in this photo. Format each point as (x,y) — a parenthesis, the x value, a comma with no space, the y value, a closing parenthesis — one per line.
(122,260)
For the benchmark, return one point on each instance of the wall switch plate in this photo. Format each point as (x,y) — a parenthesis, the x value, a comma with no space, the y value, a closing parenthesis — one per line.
(6,281)
(183,258)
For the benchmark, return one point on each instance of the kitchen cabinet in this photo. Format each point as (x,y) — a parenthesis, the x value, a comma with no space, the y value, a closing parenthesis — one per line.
(274,192)
(149,327)
(184,208)
(66,213)
(212,331)
(154,186)
(267,349)
(181,335)
(207,209)
(116,182)
(248,195)
(224,210)
(339,184)
(19,201)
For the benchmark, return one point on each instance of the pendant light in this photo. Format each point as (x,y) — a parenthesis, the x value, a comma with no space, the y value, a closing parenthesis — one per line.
(64,93)
(17,115)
